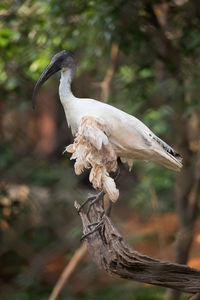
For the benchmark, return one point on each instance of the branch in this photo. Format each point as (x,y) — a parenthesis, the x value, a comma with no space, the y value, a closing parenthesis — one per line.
(112,253)
(105,84)
(78,255)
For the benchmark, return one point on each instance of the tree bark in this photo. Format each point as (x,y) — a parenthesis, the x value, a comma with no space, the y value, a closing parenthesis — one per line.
(111,252)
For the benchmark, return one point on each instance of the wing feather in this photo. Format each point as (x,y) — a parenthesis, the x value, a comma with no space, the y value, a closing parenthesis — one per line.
(92,129)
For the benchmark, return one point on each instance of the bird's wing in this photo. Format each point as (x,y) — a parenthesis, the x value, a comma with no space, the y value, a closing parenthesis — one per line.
(134,140)
(130,138)
(163,153)
(93,130)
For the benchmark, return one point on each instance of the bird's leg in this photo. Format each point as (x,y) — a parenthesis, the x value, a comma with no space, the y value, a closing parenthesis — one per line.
(94,200)
(92,224)
(85,202)
(99,224)
(108,210)
(107,213)
(93,230)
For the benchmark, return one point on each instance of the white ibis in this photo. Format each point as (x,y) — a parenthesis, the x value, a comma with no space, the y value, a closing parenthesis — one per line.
(103,133)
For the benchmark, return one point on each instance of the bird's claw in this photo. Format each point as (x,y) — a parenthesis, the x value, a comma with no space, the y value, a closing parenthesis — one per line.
(92,224)
(92,200)
(97,227)
(85,202)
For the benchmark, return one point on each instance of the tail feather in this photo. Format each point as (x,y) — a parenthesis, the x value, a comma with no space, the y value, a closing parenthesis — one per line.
(169,160)
(169,149)
(169,157)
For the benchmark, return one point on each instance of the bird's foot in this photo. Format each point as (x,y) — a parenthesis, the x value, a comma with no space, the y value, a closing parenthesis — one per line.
(95,200)
(85,202)
(99,225)
(93,224)
(91,200)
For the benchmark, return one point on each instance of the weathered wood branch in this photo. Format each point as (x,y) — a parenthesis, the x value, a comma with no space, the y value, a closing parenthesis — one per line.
(111,252)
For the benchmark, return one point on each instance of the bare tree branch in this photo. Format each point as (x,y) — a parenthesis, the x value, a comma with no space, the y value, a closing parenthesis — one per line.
(105,84)
(78,255)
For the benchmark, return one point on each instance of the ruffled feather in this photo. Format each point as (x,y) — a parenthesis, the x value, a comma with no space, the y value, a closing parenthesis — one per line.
(92,149)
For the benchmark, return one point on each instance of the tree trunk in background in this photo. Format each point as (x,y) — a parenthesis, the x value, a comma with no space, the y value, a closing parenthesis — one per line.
(186,190)
(187,132)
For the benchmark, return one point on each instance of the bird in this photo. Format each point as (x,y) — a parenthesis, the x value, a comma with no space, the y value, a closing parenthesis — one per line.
(103,133)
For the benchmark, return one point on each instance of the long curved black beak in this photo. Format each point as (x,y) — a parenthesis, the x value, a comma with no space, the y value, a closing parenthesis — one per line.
(52,68)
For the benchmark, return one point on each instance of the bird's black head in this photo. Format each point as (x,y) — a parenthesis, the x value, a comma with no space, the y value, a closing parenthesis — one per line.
(62,60)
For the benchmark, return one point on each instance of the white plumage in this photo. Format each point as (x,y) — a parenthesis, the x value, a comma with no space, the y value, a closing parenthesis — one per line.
(102,126)
(130,138)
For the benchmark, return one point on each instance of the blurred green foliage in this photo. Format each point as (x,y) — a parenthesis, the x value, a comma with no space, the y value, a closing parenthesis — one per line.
(157,77)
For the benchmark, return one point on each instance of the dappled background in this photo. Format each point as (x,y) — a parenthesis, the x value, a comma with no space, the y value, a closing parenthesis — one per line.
(140,56)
